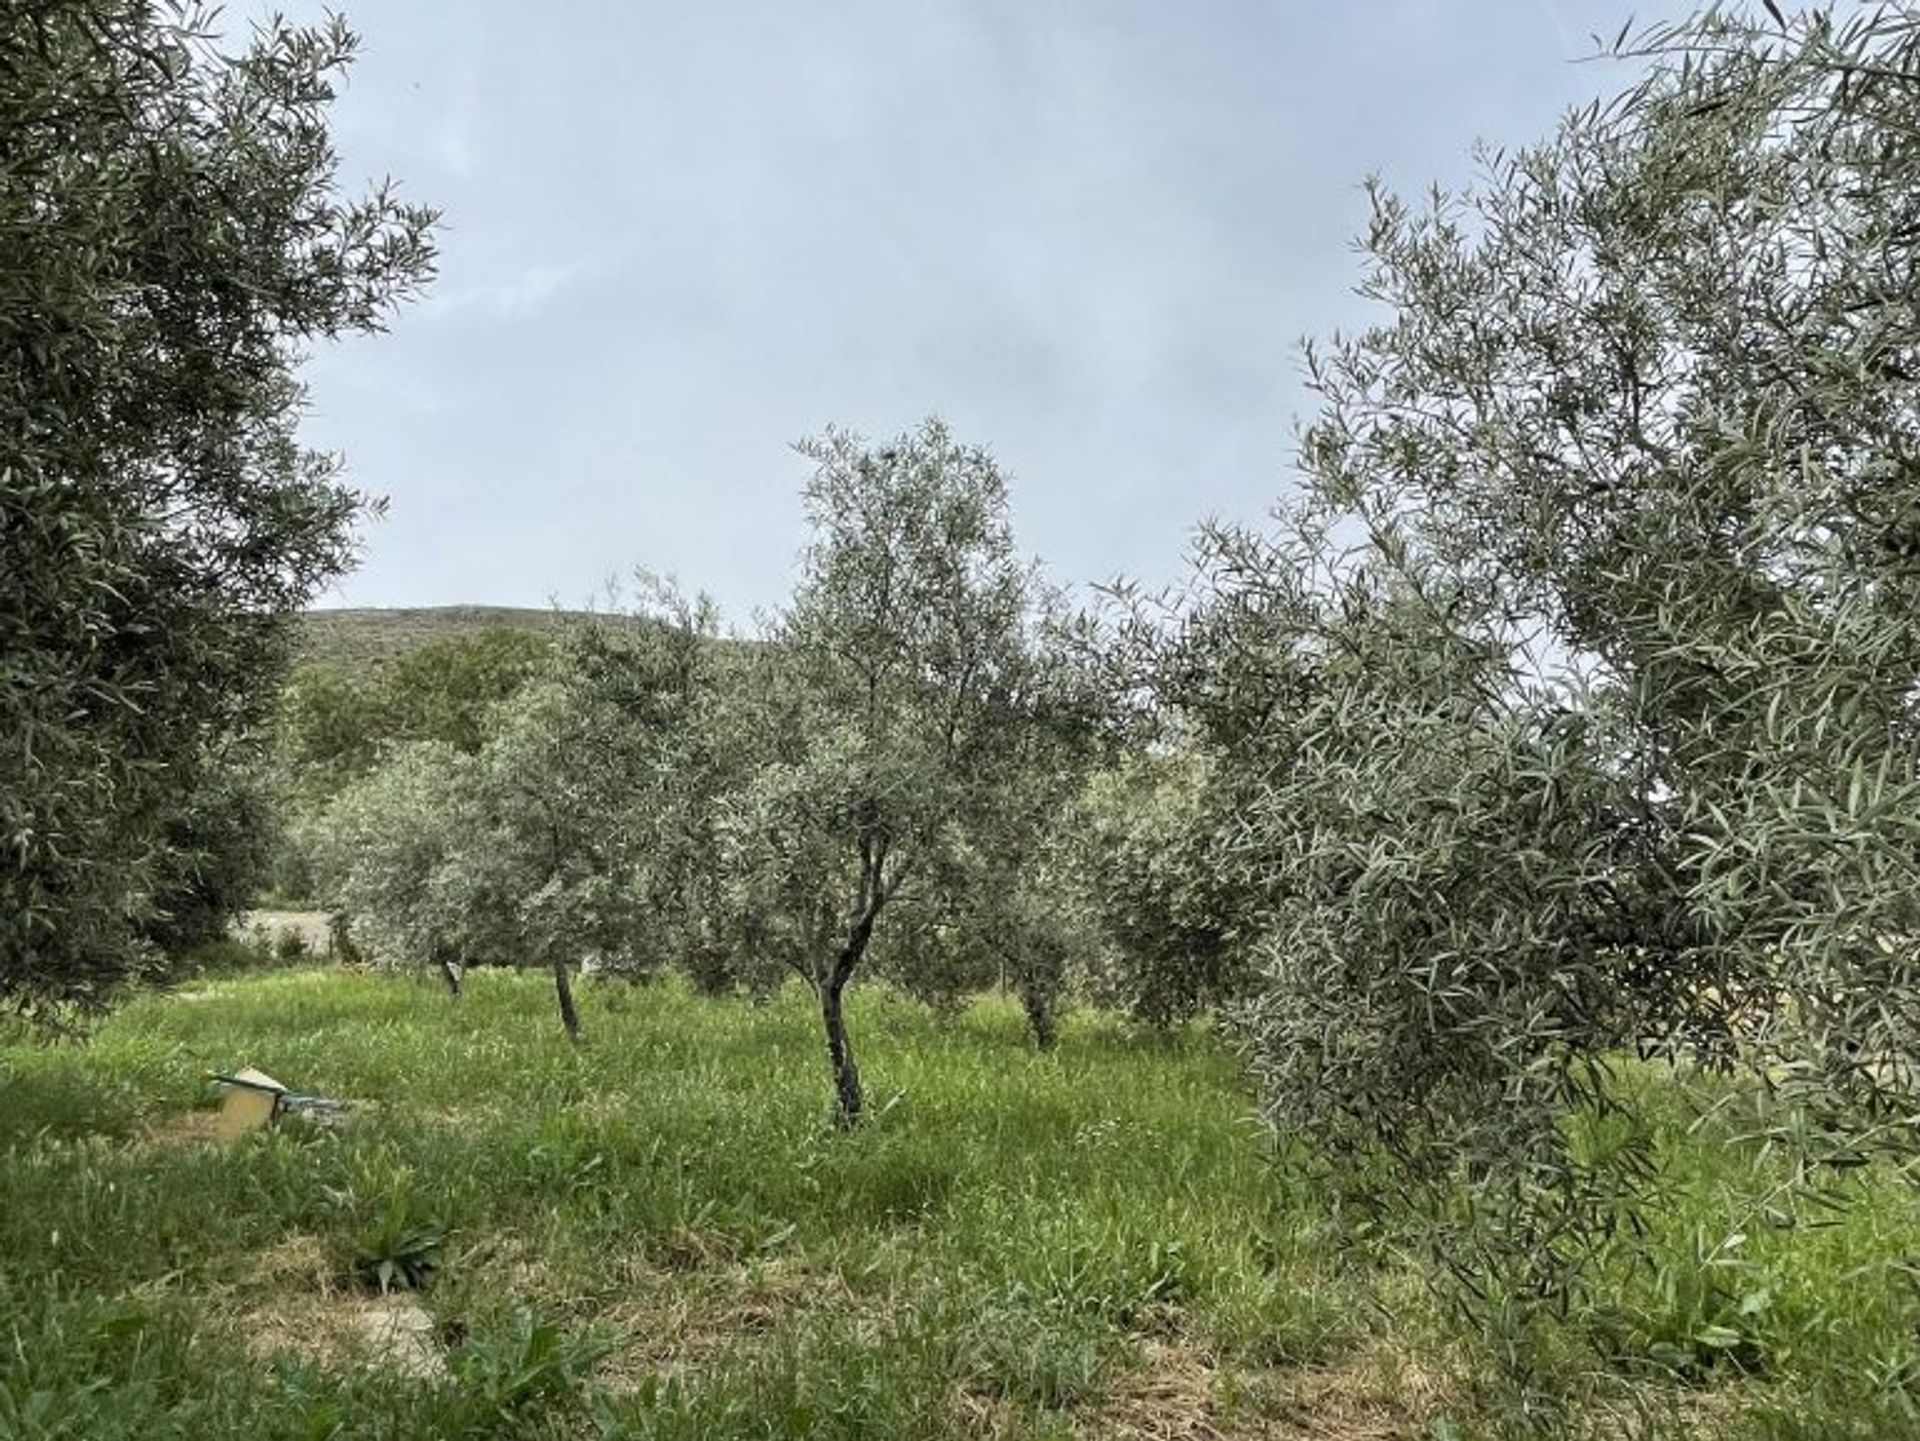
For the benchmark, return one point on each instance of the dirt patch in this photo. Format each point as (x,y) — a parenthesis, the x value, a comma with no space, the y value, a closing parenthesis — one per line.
(398,1336)
(392,1334)
(291,1301)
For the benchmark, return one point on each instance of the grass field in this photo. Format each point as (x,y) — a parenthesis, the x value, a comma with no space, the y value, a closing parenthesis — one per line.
(658,1236)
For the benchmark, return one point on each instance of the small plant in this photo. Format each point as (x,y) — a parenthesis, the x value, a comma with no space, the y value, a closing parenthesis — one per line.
(400,1251)
(1706,1308)
(526,1360)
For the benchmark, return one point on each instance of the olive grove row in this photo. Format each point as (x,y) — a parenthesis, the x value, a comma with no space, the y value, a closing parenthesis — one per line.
(1565,713)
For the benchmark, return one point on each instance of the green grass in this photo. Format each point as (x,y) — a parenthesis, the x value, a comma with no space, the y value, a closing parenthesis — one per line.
(660,1235)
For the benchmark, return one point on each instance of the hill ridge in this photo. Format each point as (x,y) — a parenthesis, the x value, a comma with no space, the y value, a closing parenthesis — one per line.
(370,635)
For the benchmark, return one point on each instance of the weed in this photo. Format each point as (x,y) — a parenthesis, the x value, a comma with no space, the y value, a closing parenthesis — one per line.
(522,1360)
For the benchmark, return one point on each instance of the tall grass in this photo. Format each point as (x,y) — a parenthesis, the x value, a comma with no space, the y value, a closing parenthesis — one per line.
(661,1235)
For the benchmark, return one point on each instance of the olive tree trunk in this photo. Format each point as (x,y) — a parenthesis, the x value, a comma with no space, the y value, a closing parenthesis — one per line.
(563,992)
(1038,1001)
(846,1075)
(848,1098)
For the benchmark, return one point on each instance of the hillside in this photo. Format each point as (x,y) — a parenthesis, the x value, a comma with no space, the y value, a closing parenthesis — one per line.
(355,638)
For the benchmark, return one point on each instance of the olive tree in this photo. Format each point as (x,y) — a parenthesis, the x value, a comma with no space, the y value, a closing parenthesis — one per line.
(337,719)
(1572,710)
(676,701)
(1654,385)
(1429,878)
(1143,848)
(171,234)
(902,678)
(400,854)
(999,905)
(561,838)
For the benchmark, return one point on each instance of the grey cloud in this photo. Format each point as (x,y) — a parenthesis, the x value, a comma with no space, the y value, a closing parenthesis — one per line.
(681,236)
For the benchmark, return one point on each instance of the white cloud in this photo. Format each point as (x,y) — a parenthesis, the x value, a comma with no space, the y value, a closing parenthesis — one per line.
(521,296)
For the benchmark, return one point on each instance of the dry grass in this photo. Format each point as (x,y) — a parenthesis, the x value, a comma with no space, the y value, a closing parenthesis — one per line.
(333,1332)
(179,1132)
(300,1260)
(677,1324)
(1179,1392)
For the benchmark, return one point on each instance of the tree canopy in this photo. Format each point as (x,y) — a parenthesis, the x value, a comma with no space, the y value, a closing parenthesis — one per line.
(912,666)
(171,232)
(1568,712)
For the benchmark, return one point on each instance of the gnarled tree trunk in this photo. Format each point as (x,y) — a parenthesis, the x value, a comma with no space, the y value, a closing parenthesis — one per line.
(848,1099)
(1038,1001)
(563,991)
(846,1075)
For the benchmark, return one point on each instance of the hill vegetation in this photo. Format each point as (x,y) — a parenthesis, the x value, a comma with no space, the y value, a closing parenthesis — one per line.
(352,640)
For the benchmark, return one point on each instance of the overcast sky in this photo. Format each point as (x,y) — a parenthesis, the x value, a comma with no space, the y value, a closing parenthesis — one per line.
(680,236)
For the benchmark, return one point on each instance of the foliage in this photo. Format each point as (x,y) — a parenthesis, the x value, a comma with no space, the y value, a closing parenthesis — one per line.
(353,639)
(171,232)
(1689,461)
(334,723)
(1569,712)
(665,685)
(396,855)
(1443,901)
(569,833)
(215,855)
(329,731)
(401,1249)
(1144,855)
